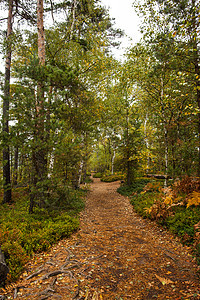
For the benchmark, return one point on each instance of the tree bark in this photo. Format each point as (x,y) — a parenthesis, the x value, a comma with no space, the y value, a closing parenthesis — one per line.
(73,19)
(129,179)
(3,268)
(194,35)
(197,74)
(41,35)
(39,156)
(16,160)
(112,162)
(7,197)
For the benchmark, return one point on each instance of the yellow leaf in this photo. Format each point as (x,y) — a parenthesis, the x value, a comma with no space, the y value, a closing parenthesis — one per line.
(164,280)
(194,199)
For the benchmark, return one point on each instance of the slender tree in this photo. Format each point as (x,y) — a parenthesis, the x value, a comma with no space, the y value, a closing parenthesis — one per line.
(39,151)
(6,100)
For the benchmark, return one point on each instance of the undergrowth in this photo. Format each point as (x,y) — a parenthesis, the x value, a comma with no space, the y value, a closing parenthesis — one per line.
(23,234)
(112,177)
(176,208)
(97,175)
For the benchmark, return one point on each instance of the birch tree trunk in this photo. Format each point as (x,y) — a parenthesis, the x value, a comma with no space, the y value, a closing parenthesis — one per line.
(7,197)
(165,133)
(147,144)
(112,163)
(73,19)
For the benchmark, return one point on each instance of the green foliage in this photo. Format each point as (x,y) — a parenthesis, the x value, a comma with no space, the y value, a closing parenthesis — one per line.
(141,202)
(111,178)
(135,188)
(182,222)
(87,179)
(22,234)
(65,198)
(97,175)
(150,202)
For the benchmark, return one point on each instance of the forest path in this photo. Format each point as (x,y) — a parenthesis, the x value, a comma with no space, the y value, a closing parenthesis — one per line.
(115,255)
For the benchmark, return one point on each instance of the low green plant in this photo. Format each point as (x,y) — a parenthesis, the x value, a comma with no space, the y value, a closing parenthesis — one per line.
(97,175)
(182,221)
(112,178)
(23,234)
(136,188)
(150,201)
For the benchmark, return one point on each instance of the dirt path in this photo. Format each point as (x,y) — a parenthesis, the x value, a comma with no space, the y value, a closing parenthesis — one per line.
(115,255)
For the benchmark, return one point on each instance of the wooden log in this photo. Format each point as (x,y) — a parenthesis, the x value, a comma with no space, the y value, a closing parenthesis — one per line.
(158,176)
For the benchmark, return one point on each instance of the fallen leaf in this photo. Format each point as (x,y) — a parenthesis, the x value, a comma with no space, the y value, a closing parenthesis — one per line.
(163,280)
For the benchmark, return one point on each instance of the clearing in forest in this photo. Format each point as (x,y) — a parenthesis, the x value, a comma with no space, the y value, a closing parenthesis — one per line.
(114,255)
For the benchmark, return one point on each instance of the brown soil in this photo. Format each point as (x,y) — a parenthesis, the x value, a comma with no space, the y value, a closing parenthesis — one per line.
(114,255)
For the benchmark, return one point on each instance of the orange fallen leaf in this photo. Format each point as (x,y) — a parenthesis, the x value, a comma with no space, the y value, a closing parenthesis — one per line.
(163,280)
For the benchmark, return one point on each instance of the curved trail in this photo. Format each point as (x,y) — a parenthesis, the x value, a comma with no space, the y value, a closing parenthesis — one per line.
(114,255)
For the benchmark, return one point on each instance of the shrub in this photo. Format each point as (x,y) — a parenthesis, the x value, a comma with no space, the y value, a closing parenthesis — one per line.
(187,185)
(168,207)
(135,188)
(97,175)
(22,234)
(112,178)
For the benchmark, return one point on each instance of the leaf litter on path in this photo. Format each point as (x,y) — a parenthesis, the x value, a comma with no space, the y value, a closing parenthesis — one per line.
(115,255)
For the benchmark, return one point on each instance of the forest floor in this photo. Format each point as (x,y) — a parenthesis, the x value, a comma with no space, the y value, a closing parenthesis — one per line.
(115,255)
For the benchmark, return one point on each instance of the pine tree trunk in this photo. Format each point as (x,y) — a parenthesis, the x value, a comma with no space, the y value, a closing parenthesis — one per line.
(7,198)
(16,159)
(39,156)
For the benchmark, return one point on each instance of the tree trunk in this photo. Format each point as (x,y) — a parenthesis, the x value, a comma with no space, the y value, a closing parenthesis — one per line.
(194,35)
(80,174)
(166,155)
(73,19)
(39,156)
(7,197)
(129,179)
(16,159)
(41,36)
(112,162)
(3,268)
(147,145)
(197,74)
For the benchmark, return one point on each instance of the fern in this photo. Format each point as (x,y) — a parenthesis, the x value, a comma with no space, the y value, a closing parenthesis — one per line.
(194,199)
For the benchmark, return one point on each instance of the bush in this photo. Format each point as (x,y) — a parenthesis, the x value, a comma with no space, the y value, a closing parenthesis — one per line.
(135,188)
(65,198)
(168,207)
(97,175)
(182,222)
(86,180)
(22,234)
(112,178)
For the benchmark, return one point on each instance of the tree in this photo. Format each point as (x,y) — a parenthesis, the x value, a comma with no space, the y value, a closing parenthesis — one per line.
(56,102)
(6,100)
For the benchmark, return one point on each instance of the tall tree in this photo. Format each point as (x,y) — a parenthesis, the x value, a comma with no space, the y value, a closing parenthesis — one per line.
(39,151)
(6,100)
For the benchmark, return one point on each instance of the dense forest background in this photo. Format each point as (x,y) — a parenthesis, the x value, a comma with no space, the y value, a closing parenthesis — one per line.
(69,107)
